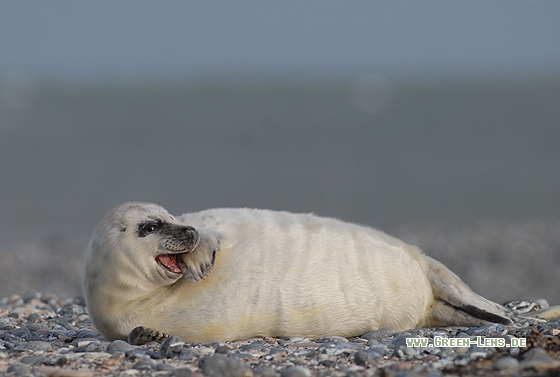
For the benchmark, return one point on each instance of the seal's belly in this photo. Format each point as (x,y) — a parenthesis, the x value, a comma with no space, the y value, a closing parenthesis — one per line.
(285,274)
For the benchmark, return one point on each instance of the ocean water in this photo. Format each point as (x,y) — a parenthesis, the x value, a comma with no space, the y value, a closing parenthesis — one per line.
(469,171)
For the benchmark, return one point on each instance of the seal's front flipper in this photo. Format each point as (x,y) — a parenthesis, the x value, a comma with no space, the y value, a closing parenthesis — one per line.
(456,304)
(142,335)
(198,264)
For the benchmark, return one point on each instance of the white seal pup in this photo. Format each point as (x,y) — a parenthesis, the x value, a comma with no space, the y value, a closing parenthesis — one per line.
(226,274)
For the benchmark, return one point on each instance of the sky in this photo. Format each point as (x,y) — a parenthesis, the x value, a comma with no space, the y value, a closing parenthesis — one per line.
(79,40)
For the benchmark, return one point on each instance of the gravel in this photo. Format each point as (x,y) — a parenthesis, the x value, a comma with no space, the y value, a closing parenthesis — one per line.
(46,335)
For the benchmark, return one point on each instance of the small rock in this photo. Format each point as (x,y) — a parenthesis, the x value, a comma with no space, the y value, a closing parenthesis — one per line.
(327,363)
(462,361)
(23,334)
(19,369)
(332,339)
(238,355)
(365,358)
(146,364)
(479,355)
(410,351)
(506,362)
(33,317)
(488,330)
(171,346)
(135,353)
(94,346)
(219,365)
(298,339)
(296,372)
(129,373)
(182,372)
(433,350)
(278,352)
(153,354)
(257,346)
(56,361)
(32,360)
(434,373)
(72,310)
(119,346)
(163,366)
(37,326)
(265,372)
(223,350)
(514,351)
(379,334)
(536,357)
(37,345)
(87,334)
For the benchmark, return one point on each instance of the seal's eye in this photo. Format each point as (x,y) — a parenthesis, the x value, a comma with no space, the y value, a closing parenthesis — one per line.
(145,229)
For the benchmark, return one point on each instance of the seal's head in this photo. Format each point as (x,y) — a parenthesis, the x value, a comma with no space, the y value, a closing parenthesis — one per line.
(145,237)
(136,250)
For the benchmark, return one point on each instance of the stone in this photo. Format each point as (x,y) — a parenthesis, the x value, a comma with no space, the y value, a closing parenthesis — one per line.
(365,358)
(32,360)
(119,346)
(296,372)
(379,334)
(19,369)
(219,365)
(265,372)
(182,372)
(506,362)
(171,346)
(332,339)
(146,364)
(536,357)
(223,350)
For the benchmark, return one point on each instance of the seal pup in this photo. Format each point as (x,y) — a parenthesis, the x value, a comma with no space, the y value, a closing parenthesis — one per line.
(225,274)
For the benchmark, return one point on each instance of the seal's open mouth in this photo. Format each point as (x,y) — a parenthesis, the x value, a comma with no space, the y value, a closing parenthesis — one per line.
(170,261)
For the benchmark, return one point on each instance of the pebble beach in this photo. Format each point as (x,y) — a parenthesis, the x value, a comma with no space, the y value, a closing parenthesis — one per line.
(45,334)
(48,335)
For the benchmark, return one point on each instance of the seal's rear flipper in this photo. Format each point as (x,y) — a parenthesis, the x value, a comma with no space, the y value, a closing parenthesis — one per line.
(456,304)
(548,313)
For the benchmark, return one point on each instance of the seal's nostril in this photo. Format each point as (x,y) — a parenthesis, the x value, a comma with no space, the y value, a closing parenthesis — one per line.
(189,229)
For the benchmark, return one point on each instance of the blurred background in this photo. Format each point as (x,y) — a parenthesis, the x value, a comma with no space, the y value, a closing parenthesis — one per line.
(437,122)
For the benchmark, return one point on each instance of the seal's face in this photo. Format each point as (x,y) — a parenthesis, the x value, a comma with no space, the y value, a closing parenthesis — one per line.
(171,241)
(151,239)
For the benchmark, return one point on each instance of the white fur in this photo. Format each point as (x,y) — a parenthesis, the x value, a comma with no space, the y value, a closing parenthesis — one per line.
(276,274)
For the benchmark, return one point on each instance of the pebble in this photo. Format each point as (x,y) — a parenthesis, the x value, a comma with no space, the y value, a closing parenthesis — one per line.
(119,346)
(506,362)
(37,345)
(265,372)
(296,372)
(222,366)
(223,349)
(19,369)
(182,372)
(535,358)
(171,346)
(366,358)
(32,359)
(54,336)
(145,364)
(379,334)
(332,339)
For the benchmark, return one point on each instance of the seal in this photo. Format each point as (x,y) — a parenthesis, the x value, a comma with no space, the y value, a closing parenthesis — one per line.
(226,274)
